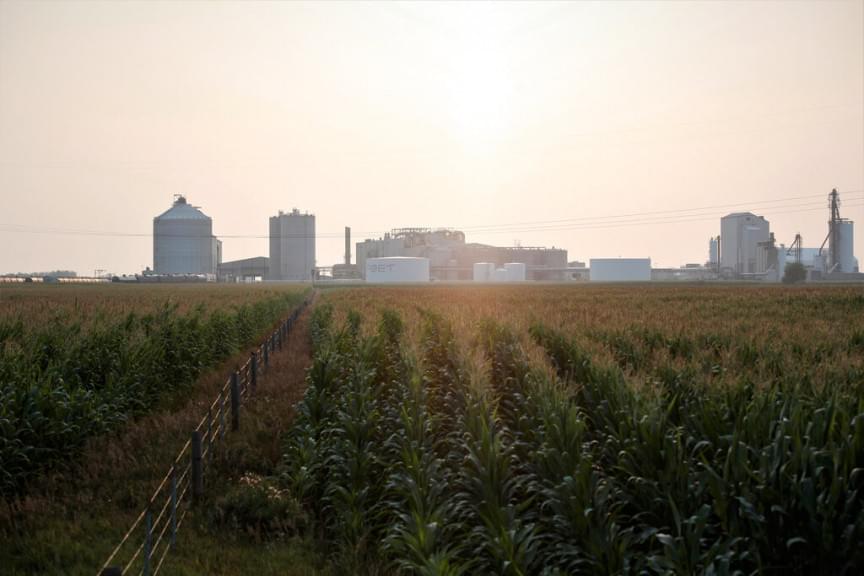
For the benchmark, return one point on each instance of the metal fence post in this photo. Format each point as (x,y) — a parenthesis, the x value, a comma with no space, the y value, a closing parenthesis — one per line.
(148,525)
(235,401)
(253,366)
(173,506)
(197,478)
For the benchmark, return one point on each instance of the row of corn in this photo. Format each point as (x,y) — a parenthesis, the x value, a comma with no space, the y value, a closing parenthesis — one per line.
(64,382)
(443,455)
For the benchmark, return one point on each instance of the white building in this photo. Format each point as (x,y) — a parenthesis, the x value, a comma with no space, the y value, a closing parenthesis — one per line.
(744,236)
(620,270)
(292,246)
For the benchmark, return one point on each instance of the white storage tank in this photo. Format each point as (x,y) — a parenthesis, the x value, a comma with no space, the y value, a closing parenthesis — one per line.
(620,270)
(516,271)
(483,271)
(397,269)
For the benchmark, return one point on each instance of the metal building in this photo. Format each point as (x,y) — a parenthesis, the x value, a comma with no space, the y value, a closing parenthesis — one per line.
(743,238)
(244,270)
(183,241)
(620,269)
(292,246)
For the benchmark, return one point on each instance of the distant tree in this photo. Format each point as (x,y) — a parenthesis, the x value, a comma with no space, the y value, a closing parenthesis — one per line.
(794,273)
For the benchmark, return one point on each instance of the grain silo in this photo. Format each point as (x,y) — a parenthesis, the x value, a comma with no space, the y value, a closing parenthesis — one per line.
(183,241)
(292,246)
(841,257)
(845,247)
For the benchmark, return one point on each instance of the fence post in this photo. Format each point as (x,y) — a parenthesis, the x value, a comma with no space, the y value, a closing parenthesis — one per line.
(197,478)
(253,366)
(148,525)
(173,506)
(235,401)
(266,349)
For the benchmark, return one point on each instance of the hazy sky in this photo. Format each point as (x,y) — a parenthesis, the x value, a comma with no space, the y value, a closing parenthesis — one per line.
(536,121)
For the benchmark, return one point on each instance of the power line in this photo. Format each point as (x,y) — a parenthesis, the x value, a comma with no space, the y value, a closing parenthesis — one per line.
(716,206)
(659,218)
(682,215)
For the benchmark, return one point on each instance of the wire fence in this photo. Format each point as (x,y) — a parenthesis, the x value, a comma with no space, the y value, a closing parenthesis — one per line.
(143,548)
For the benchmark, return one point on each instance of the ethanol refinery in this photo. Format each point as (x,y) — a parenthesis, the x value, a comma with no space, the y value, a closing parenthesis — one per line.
(185,249)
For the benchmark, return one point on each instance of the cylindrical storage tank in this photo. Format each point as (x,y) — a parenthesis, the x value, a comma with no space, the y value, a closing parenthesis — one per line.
(483,271)
(499,275)
(183,241)
(516,271)
(845,256)
(397,269)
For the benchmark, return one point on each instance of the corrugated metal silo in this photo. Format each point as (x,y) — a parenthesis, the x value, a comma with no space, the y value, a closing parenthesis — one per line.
(183,241)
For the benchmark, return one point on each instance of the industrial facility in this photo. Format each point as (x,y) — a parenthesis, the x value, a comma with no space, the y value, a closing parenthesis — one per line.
(183,241)
(185,249)
(747,249)
(452,259)
(292,246)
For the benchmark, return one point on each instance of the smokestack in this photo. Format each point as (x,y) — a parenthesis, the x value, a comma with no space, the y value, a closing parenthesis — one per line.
(347,245)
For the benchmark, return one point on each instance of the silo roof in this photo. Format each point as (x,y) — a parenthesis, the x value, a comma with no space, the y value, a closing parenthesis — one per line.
(182,211)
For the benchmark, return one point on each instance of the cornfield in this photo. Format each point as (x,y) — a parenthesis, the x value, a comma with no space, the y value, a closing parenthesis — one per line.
(584,430)
(76,362)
